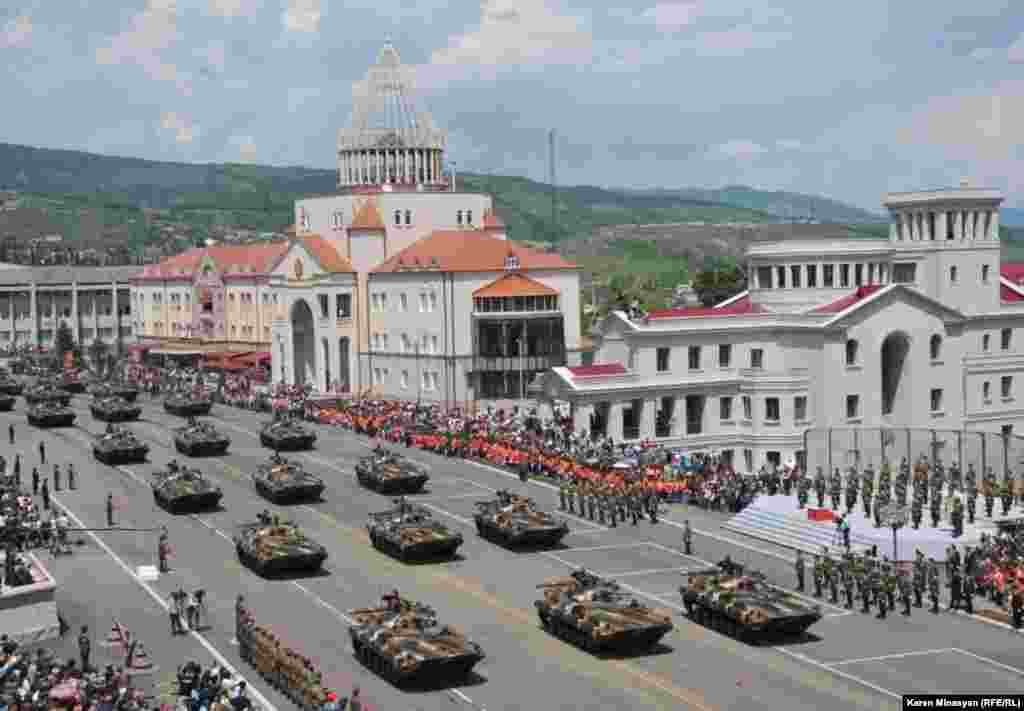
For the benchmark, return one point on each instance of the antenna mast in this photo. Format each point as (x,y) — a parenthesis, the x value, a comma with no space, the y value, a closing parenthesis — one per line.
(552,180)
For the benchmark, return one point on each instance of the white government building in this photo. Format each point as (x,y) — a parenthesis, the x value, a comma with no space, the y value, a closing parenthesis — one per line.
(920,330)
(445,307)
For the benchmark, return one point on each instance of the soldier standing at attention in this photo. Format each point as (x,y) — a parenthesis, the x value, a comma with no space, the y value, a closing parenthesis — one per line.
(56,477)
(10,432)
(1017,608)
(71,476)
(819,574)
(969,590)
(955,588)
(84,647)
(687,538)
(570,495)
(35,481)
(110,510)
(832,576)
(905,592)
(17,470)
(933,584)
(562,487)
(42,453)
(920,576)
(46,495)
(848,580)
(799,568)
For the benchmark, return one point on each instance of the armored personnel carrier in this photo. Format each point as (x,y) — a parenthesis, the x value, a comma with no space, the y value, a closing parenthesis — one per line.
(114,409)
(184,404)
(126,392)
(287,435)
(272,547)
(119,446)
(403,642)
(182,490)
(7,402)
(46,392)
(200,439)
(51,414)
(516,521)
(10,386)
(745,606)
(597,615)
(283,482)
(410,534)
(390,473)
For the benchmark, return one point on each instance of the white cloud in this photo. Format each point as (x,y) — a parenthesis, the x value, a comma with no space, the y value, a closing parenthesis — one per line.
(181,126)
(1015,53)
(302,16)
(518,32)
(17,32)
(737,149)
(232,8)
(150,32)
(673,16)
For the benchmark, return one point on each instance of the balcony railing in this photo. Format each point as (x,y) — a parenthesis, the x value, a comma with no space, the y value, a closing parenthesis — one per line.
(507,363)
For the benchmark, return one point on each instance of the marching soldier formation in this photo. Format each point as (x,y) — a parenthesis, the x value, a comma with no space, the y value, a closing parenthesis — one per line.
(607,504)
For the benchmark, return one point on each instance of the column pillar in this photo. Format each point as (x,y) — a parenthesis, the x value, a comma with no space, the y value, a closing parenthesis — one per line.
(648,418)
(615,421)
(417,164)
(75,323)
(940,225)
(165,310)
(581,417)
(33,307)
(993,225)
(904,228)
(958,225)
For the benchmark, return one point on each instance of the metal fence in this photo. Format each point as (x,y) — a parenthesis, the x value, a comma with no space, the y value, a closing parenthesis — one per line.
(860,447)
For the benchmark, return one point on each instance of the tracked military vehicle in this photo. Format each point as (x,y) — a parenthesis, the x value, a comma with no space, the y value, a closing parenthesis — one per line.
(273,547)
(745,606)
(404,643)
(9,386)
(114,409)
(119,446)
(7,402)
(410,534)
(183,490)
(126,392)
(185,404)
(200,439)
(516,521)
(46,392)
(287,435)
(50,414)
(598,615)
(390,473)
(282,481)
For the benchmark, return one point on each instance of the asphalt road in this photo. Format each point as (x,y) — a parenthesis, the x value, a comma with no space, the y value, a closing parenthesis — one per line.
(849,661)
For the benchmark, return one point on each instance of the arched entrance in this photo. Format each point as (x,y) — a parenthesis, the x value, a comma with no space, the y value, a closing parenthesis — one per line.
(343,375)
(895,362)
(303,342)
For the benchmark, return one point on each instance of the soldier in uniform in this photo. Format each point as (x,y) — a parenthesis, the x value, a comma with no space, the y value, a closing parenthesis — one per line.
(905,592)
(884,495)
(652,504)
(836,488)
(1017,607)
(969,589)
(933,584)
(936,508)
(612,501)
(602,503)
(972,499)
(1006,494)
(832,577)
(917,507)
(958,518)
(902,482)
(851,490)
(591,500)
(798,567)
(636,507)
(563,488)
(868,489)
(938,480)
(849,579)
(819,487)
(955,588)
(819,575)
(989,490)
(884,593)
(920,578)
(803,485)
(955,478)
(687,538)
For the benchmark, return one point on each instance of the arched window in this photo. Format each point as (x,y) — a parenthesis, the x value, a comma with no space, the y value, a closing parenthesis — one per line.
(952,275)
(458,217)
(408,217)
(935,347)
(851,352)
(398,217)
(469,217)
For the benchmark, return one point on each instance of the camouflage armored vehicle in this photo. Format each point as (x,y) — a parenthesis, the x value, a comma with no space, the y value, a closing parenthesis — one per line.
(184,404)
(114,409)
(404,643)
(286,435)
(183,490)
(282,481)
(272,547)
(390,473)
(745,606)
(119,446)
(597,615)
(46,392)
(9,386)
(200,439)
(126,392)
(50,414)
(516,521)
(286,669)
(7,402)
(410,534)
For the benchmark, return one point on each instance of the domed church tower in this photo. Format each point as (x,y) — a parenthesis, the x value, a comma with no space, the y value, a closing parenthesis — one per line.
(390,139)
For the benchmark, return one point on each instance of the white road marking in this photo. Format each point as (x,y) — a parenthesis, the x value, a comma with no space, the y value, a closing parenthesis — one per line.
(260,698)
(649,571)
(884,657)
(839,672)
(323,603)
(473,495)
(588,532)
(458,694)
(605,548)
(471,483)
(838,614)
(988,621)
(213,528)
(993,662)
(438,509)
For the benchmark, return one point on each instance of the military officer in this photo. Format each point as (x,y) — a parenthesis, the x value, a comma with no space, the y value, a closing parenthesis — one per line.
(936,508)
(933,584)
(819,487)
(955,589)
(958,518)
(905,593)
(836,488)
(920,579)
(849,580)
(955,478)
(851,490)
(868,489)
(969,590)
(798,567)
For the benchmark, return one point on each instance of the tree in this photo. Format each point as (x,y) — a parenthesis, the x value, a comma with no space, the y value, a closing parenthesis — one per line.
(65,340)
(716,286)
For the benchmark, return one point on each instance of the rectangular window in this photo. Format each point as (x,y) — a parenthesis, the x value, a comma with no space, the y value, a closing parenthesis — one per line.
(936,399)
(663,360)
(725,355)
(858,274)
(757,358)
(324,305)
(844,275)
(433,301)
(771,409)
(748,459)
(423,302)
(343,303)
(780,277)
(1004,337)
(984,273)
(986,391)
(1006,386)
(694,357)
(403,301)
(828,275)
(986,339)
(794,276)
(905,273)
(812,275)
(748,408)
(405,379)
(433,344)
(852,406)
(800,408)
(725,409)
(764,277)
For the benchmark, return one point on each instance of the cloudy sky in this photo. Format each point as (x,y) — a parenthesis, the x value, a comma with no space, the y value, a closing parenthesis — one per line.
(845,99)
